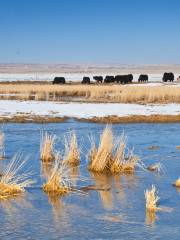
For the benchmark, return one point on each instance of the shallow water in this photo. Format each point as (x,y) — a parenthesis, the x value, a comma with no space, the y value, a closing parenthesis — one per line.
(118,213)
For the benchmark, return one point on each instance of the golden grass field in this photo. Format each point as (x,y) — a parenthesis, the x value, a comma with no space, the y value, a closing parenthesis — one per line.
(91,93)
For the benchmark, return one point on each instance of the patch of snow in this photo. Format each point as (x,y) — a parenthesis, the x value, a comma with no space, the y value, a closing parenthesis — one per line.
(156,84)
(84,110)
(150,84)
(70,77)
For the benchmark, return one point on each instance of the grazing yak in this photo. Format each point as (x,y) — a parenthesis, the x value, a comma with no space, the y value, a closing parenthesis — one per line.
(168,77)
(86,80)
(143,78)
(59,80)
(109,79)
(124,79)
(99,79)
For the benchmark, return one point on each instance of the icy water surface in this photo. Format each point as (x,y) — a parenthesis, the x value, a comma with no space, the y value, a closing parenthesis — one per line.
(117,213)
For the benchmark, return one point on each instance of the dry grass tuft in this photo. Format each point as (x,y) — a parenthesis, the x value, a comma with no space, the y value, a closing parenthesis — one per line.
(12,182)
(177,183)
(47,147)
(116,161)
(100,157)
(120,161)
(2,152)
(72,155)
(126,164)
(151,199)
(58,183)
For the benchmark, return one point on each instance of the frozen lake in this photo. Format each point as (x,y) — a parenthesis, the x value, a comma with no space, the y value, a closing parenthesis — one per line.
(118,213)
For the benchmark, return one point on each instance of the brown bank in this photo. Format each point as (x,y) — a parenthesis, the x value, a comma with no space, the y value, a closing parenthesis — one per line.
(26,118)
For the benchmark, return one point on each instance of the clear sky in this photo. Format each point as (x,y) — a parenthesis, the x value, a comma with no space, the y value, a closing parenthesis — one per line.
(90,31)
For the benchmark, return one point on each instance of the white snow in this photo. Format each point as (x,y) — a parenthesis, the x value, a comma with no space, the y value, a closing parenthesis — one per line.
(151,84)
(155,84)
(83,110)
(70,77)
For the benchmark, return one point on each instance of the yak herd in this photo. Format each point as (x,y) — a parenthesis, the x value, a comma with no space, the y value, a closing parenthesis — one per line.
(121,79)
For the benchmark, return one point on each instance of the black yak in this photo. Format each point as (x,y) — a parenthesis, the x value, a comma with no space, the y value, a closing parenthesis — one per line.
(168,77)
(124,79)
(143,78)
(109,79)
(86,80)
(59,80)
(99,79)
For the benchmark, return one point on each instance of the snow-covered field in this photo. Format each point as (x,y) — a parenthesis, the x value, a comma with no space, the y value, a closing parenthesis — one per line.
(73,77)
(10,108)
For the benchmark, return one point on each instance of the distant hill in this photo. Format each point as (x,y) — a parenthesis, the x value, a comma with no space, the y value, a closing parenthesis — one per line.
(82,68)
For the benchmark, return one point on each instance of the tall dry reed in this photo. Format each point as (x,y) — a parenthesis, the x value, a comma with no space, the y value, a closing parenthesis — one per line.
(95,93)
(47,147)
(151,199)
(112,154)
(59,182)
(13,182)
(101,156)
(72,154)
(121,162)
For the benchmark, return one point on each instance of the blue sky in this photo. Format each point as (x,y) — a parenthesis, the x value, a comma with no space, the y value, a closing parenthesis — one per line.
(90,31)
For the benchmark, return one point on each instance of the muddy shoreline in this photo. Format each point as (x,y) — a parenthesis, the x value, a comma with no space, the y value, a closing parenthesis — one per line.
(26,118)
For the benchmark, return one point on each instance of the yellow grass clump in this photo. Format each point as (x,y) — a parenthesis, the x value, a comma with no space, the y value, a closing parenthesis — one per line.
(12,182)
(101,156)
(58,183)
(47,147)
(2,152)
(177,183)
(109,158)
(151,199)
(72,155)
(122,162)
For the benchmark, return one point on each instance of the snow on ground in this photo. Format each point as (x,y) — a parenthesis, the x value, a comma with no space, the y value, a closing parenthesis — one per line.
(152,84)
(70,77)
(83,110)
(156,84)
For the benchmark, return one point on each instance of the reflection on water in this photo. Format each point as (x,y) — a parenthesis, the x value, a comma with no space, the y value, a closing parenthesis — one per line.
(58,208)
(150,217)
(15,203)
(115,219)
(132,180)
(74,173)
(113,206)
(119,189)
(104,183)
(46,170)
